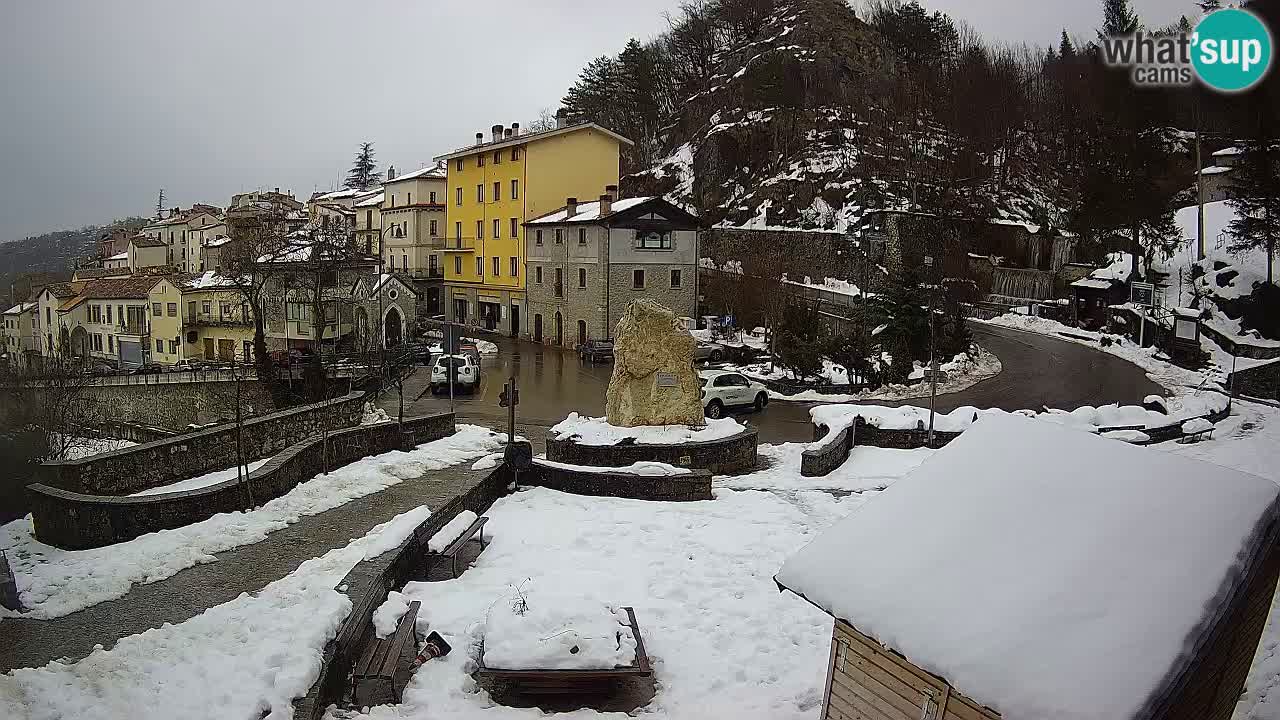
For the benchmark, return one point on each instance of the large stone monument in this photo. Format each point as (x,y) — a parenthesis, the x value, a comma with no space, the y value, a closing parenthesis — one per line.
(654,382)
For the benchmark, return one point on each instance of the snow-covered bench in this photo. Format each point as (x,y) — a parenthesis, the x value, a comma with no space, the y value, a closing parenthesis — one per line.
(1195,430)
(383,670)
(449,541)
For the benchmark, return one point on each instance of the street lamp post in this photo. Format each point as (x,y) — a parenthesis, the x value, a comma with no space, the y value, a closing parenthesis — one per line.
(933,360)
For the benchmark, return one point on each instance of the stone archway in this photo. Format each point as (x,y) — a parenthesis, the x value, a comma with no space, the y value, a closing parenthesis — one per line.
(394,327)
(79,342)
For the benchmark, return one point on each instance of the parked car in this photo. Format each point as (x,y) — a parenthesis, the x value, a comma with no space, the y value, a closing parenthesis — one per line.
(189,364)
(148,368)
(464,369)
(97,368)
(422,351)
(724,389)
(705,351)
(596,350)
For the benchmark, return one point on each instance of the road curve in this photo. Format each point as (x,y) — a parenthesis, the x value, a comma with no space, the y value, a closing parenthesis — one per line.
(1039,371)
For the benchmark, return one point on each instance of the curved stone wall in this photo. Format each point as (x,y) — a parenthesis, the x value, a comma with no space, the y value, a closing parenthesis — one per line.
(75,521)
(726,455)
(694,485)
(168,460)
(818,460)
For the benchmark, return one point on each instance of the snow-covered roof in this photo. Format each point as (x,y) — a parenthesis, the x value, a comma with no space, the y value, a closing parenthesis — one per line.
(372,201)
(586,212)
(1119,267)
(1092,284)
(346,193)
(208,280)
(120,256)
(19,308)
(439,171)
(217,242)
(1043,571)
(1216,170)
(1228,151)
(531,137)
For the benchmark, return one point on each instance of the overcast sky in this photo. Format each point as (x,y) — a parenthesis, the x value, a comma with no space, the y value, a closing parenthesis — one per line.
(107,102)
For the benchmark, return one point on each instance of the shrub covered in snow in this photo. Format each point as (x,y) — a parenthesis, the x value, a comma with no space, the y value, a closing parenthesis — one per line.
(598,431)
(544,630)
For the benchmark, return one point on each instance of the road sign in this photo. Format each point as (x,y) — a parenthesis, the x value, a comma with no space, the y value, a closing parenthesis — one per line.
(1142,293)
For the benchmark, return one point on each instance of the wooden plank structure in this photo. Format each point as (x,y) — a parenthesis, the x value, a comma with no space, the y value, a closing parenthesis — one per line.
(383,670)
(537,681)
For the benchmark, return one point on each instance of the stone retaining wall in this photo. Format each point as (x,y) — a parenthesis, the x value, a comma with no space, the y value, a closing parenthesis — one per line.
(369,582)
(694,485)
(831,454)
(727,455)
(1261,381)
(76,521)
(163,462)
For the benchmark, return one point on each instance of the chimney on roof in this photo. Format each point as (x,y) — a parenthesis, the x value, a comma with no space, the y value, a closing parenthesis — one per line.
(606,204)
(562,118)
(391,173)
(496,130)
(515,129)
(611,191)
(570,207)
(506,133)
(277,191)
(479,138)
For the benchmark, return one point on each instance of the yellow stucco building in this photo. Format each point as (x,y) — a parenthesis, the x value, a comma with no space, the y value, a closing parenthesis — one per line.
(492,189)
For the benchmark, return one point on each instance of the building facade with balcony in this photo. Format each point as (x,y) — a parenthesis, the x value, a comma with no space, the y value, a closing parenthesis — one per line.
(588,261)
(412,232)
(493,188)
(217,325)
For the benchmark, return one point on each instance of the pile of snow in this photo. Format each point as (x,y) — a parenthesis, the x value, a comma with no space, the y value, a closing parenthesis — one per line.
(387,617)
(531,629)
(54,582)
(203,481)
(644,467)
(1100,599)
(488,462)
(451,531)
(249,657)
(598,431)
(374,415)
(906,417)
(1129,436)
(1196,425)
(868,468)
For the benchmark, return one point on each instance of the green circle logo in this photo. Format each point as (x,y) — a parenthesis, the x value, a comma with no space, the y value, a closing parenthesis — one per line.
(1231,50)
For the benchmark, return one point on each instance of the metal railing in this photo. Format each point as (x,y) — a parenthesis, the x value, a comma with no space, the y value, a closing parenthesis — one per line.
(214,320)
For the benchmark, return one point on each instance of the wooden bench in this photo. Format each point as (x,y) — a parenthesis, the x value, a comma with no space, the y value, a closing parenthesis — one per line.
(572,682)
(454,549)
(1194,437)
(383,669)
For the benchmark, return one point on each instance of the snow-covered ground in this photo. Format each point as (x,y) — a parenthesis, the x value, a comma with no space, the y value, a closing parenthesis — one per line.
(247,658)
(868,468)
(54,582)
(644,467)
(598,431)
(201,481)
(78,447)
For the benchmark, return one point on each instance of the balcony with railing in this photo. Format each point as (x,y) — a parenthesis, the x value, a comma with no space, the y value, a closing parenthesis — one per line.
(134,328)
(457,244)
(430,273)
(211,319)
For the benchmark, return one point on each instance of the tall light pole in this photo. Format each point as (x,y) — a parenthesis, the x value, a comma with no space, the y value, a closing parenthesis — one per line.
(933,360)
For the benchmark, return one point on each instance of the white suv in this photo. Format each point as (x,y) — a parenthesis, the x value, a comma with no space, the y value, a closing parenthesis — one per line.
(465,369)
(723,389)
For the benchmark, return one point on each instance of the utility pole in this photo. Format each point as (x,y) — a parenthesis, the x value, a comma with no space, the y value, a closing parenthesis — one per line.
(933,360)
(1199,185)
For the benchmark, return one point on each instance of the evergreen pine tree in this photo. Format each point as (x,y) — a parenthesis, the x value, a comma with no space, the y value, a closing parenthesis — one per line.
(1256,192)
(1066,50)
(364,172)
(1118,18)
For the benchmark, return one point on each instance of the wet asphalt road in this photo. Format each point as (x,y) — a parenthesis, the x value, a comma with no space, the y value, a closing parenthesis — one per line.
(1039,372)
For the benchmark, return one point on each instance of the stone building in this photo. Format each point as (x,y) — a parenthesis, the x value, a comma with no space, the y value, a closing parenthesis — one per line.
(588,261)
(413,231)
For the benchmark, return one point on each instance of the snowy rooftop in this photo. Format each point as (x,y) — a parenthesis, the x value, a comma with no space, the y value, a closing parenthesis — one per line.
(119,256)
(433,171)
(1092,283)
(372,200)
(19,308)
(1215,170)
(586,212)
(209,279)
(1067,575)
(1225,152)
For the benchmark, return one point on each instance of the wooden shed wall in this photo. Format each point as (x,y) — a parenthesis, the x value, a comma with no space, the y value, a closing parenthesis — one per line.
(867,682)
